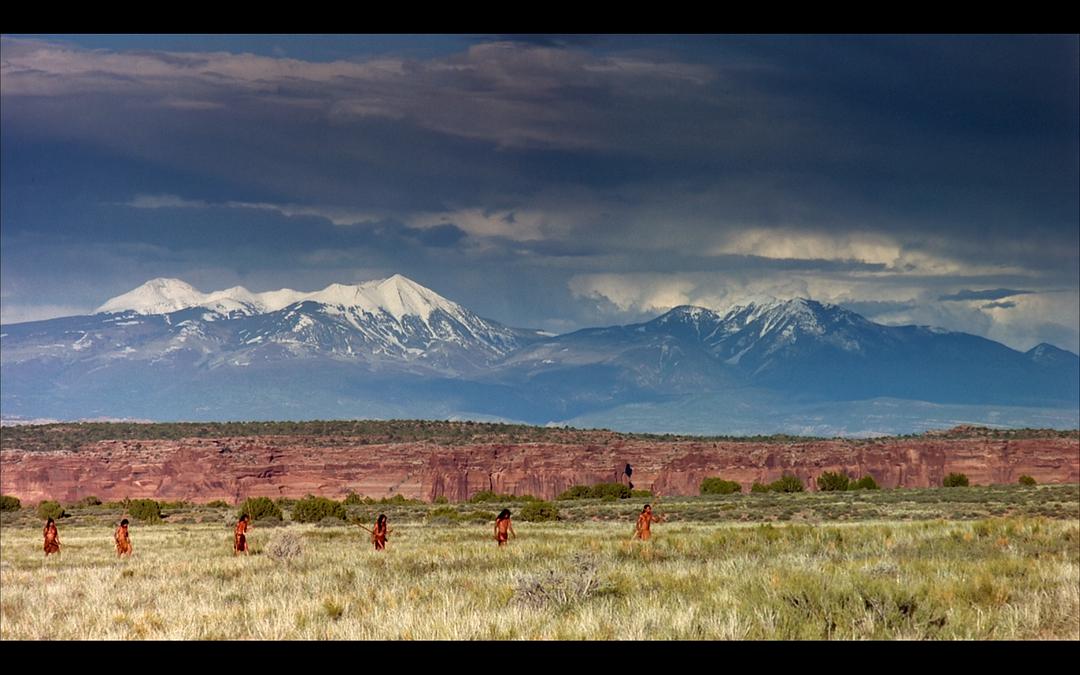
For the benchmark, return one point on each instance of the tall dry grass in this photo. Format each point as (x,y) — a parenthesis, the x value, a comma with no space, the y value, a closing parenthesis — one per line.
(1010,578)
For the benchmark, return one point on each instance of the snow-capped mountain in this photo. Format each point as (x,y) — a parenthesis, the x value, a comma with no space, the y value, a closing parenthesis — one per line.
(393,348)
(396,296)
(802,348)
(388,322)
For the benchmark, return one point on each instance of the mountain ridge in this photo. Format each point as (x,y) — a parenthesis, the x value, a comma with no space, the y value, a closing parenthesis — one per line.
(392,348)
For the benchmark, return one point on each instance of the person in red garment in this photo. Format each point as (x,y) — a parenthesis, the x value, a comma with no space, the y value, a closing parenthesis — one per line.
(52,537)
(123,539)
(240,544)
(503,527)
(380,533)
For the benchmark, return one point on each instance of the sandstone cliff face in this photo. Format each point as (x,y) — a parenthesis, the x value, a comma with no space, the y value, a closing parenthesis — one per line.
(290,466)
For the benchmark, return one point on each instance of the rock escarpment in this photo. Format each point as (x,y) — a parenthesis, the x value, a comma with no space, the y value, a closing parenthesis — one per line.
(232,468)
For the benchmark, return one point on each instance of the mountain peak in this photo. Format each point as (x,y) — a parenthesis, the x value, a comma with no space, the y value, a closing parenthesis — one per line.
(157,296)
(397,295)
(690,312)
(1045,352)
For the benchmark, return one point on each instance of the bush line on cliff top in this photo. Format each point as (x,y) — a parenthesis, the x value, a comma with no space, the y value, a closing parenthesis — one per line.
(71,436)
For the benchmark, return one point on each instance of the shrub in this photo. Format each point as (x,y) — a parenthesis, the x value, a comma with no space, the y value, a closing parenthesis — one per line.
(285,546)
(218,504)
(719,486)
(1026,480)
(178,504)
(88,501)
(955,480)
(441,499)
(397,499)
(610,491)
(759,487)
(558,589)
(312,509)
(830,482)
(864,483)
(488,496)
(538,511)
(9,503)
(50,509)
(479,516)
(575,492)
(146,510)
(641,494)
(787,483)
(285,502)
(260,508)
(444,512)
(599,491)
(353,499)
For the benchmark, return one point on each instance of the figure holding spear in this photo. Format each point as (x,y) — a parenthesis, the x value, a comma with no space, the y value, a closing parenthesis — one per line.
(644,522)
(380,534)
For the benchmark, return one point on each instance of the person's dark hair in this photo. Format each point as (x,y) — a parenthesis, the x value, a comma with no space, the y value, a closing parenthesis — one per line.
(504,514)
(381,519)
(647,506)
(50,521)
(245,517)
(124,521)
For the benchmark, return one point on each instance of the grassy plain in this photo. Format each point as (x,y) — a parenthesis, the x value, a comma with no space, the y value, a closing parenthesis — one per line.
(916,564)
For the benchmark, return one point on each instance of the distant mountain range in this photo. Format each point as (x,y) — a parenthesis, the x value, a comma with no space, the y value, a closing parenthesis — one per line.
(393,348)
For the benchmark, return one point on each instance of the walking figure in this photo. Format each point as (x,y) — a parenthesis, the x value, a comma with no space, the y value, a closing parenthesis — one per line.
(644,521)
(240,544)
(504,528)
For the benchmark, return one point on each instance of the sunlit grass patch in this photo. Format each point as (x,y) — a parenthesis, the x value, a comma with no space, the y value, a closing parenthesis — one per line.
(996,578)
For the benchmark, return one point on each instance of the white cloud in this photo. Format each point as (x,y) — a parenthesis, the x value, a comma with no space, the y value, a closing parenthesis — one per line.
(18,313)
(644,292)
(635,292)
(864,247)
(336,215)
(1052,316)
(165,202)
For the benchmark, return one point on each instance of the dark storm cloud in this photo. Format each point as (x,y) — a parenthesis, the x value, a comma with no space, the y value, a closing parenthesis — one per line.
(989,294)
(999,305)
(863,170)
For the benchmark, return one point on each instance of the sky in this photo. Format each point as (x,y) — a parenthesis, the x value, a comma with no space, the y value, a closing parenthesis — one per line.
(553,182)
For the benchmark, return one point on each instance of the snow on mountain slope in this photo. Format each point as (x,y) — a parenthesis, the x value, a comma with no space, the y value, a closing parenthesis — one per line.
(770,327)
(351,347)
(157,296)
(395,320)
(398,296)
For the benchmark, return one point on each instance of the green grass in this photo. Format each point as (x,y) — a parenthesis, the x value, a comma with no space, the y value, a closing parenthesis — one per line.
(972,503)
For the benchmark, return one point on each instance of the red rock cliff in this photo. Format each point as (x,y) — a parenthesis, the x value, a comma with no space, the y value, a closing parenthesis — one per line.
(292,466)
